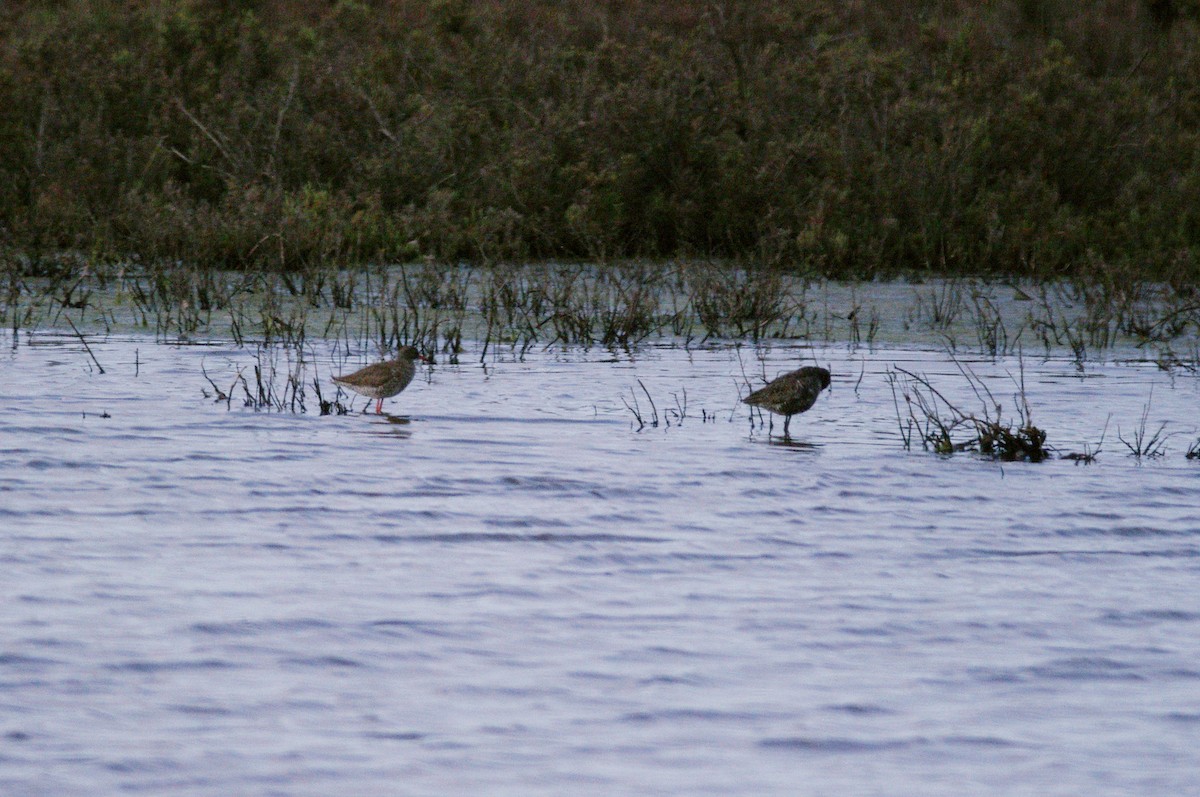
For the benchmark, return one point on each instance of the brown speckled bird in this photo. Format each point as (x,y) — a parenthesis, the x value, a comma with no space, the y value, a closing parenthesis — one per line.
(385,379)
(791,393)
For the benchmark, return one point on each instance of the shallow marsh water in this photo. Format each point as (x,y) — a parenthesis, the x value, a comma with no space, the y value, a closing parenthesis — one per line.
(505,588)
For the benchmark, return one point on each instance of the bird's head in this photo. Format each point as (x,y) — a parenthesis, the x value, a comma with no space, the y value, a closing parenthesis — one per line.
(411,354)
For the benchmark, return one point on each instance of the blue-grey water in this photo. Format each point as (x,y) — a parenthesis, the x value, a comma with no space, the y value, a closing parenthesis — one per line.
(504,587)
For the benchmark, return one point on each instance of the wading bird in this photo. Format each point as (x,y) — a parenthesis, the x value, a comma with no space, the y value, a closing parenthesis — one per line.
(791,393)
(385,379)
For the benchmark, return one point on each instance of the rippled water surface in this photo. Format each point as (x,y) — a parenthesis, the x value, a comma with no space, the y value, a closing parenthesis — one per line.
(505,588)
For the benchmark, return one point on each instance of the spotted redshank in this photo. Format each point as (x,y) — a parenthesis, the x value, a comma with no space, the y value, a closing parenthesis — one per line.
(385,379)
(791,393)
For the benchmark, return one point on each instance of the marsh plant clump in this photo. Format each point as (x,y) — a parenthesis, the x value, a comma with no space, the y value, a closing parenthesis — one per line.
(1142,442)
(944,428)
(276,381)
(672,415)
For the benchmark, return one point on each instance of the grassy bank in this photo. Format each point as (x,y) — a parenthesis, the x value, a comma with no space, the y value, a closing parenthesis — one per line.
(1032,137)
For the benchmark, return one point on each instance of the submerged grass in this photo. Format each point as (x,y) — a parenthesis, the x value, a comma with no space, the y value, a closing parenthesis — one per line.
(1143,443)
(276,381)
(673,415)
(620,306)
(943,428)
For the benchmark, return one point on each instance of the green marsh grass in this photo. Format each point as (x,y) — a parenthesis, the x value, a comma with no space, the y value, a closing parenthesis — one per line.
(1038,140)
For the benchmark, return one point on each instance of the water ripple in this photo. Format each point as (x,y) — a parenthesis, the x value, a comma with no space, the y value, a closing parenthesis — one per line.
(145,666)
(538,537)
(256,627)
(533,597)
(821,744)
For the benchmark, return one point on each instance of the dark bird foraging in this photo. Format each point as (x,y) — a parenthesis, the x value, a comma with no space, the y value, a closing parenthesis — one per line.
(385,379)
(791,393)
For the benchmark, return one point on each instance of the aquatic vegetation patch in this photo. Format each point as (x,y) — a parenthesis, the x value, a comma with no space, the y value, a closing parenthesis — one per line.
(672,415)
(1142,442)
(269,385)
(741,303)
(1090,452)
(619,305)
(944,428)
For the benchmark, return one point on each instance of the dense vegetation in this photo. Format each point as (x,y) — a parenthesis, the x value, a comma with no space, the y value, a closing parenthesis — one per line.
(1033,137)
